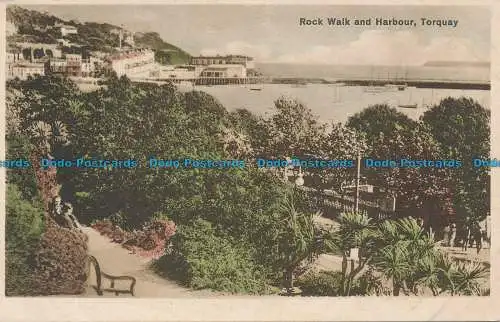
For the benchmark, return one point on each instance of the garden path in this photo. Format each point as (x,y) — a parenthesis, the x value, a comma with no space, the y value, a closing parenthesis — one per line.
(116,260)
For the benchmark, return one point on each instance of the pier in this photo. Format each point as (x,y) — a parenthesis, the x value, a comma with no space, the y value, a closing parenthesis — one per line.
(206,81)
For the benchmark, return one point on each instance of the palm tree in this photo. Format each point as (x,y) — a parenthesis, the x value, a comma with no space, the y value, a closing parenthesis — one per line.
(393,262)
(296,241)
(355,231)
(404,252)
(459,278)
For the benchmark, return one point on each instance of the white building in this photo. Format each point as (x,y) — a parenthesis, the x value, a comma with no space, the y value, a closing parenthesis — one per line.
(23,70)
(220,60)
(182,72)
(10,28)
(68,30)
(73,64)
(138,63)
(225,71)
(58,65)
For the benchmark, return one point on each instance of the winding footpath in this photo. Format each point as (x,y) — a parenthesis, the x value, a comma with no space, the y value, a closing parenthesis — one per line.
(116,260)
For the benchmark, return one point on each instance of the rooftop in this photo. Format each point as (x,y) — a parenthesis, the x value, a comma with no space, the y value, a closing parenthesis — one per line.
(127,55)
(225,56)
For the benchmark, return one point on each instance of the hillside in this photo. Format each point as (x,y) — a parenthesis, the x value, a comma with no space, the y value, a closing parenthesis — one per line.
(34,26)
(456,64)
(165,52)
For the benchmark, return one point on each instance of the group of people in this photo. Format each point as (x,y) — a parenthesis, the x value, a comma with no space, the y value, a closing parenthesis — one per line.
(471,235)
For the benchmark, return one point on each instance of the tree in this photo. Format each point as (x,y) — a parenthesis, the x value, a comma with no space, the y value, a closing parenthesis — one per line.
(296,240)
(461,126)
(393,136)
(341,143)
(295,131)
(403,248)
(378,119)
(355,231)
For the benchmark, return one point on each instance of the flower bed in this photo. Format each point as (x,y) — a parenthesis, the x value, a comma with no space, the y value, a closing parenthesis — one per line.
(148,242)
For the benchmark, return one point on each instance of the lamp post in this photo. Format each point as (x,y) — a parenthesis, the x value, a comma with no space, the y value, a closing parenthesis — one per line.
(358,174)
(357,186)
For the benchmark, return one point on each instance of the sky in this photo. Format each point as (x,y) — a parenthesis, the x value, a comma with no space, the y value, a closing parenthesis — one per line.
(271,33)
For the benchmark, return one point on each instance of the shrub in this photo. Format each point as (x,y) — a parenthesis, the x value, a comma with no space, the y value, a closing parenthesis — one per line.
(323,283)
(24,227)
(60,262)
(201,259)
(148,242)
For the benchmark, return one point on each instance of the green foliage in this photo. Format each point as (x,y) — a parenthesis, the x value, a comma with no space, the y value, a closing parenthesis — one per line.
(23,228)
(165,53)
(202,259)
(18,147)
(295,131)
(40,27)
(462,128)
(379,120)
(391,135)
(295,239)
(323,283)
(33,23)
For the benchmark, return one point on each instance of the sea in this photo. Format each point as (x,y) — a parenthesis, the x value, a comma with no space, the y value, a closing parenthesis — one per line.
(333,103)
(433,71)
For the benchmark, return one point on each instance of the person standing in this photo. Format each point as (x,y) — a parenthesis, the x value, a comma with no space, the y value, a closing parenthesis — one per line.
(453,234)
(446,235)
(478,237)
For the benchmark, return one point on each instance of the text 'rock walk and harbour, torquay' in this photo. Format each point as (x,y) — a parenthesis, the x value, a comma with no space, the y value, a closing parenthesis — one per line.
(381,21)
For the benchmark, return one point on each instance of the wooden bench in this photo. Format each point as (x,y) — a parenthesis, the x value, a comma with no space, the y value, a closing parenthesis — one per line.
(100,275)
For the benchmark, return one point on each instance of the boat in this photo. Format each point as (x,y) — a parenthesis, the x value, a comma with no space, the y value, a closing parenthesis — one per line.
(401,87)
(407,105)
(255,88)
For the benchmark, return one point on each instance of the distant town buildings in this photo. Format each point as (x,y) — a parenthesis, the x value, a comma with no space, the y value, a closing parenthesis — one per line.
(136,63)
(73,64)
(223,60)
(10,28)
(68,30)
(225,71)
(181,72)
(22,70)
(72,59)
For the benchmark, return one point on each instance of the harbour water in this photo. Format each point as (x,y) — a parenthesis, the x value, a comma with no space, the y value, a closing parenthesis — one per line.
(332,103)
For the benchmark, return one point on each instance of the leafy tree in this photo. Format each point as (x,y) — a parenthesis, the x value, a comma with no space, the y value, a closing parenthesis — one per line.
(393,136)
(378,119)
(295,131)
(461,126)
(341,143)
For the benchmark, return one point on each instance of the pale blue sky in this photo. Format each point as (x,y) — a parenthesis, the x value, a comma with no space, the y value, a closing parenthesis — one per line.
(271,33)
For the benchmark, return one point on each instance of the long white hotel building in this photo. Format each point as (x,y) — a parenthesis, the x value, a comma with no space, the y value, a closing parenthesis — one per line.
(137,63)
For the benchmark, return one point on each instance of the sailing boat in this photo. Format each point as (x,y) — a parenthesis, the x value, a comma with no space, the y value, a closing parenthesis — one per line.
(409,105)
(372,88)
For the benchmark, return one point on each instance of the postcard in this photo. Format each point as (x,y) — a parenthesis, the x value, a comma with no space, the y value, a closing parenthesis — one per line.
(249,161)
